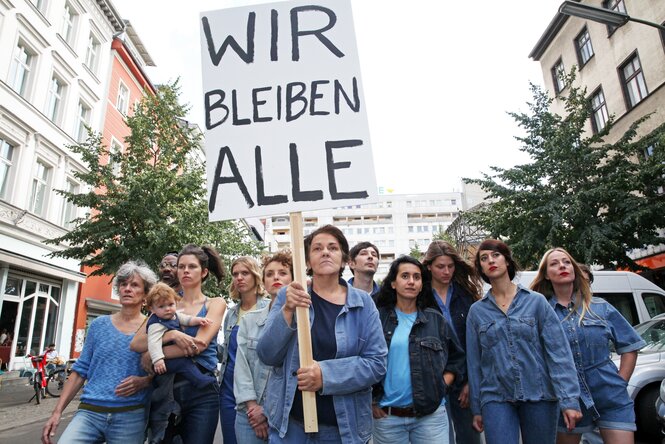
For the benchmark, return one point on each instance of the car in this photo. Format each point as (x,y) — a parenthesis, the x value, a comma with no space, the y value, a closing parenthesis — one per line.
(660,407)
(645,384)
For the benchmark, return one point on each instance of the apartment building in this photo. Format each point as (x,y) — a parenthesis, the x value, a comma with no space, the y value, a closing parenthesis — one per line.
(396,224)
(55,57)
(127,83)
(623,70)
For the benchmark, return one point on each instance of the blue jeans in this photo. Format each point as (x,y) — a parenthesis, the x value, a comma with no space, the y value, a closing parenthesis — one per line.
(537,420)
(199,412)
(461,420)
(429,429)
(92,427)
(244,432)
(295,434)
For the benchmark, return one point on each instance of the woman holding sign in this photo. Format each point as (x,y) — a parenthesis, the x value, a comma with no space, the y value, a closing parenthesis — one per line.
(347,343)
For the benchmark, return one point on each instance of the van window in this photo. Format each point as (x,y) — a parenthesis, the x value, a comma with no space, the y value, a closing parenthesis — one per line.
(655,303)
(624,303)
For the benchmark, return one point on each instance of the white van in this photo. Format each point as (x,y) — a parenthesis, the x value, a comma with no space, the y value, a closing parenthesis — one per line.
(637,298)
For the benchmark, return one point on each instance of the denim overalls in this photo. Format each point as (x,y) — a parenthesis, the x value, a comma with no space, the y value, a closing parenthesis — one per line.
(603,391)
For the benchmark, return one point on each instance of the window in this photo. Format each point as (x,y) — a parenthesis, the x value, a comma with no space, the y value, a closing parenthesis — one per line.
(6,154)
(654,302)
(122,102)
(40,4)
(67,30)
(583,47)
(20,71)
(634,86)
(55,98)
(68,208)
(83,121)
(600,116)
(116,149)
(614,5)
(558,72)
(92,53)
(38,195)
(648,153)
(624,303)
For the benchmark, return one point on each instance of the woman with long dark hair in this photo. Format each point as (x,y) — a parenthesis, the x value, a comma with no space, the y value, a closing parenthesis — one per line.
(199,407)
(455,285)
(521,369)
(591,324)
(348,348)
(423,360)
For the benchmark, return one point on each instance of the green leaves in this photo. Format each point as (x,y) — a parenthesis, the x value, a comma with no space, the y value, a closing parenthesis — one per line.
(598,200)
(150,198)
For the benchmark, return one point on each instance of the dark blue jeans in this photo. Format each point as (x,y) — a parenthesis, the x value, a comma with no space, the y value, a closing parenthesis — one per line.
(199,409)
(461,420)
(504,420)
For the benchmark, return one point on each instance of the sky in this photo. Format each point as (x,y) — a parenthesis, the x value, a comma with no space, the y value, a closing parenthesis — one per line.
(439,78)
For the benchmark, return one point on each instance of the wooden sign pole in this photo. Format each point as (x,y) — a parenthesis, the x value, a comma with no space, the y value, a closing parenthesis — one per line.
(302,319)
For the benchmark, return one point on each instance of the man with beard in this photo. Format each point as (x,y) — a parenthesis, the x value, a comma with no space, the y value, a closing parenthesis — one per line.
(168,271)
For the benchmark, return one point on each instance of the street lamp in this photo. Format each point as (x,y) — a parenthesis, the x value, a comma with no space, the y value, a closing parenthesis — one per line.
(601,15)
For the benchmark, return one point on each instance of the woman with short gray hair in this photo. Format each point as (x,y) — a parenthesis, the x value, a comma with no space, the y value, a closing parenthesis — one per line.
(113,402)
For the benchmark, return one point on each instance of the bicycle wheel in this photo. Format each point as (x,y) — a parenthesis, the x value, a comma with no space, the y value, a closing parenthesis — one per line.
(55,383)
(38,388)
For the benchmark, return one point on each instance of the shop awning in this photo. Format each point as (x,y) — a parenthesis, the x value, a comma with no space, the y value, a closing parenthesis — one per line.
(38,266)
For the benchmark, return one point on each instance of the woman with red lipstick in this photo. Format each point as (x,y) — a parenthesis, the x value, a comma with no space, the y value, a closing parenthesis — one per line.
(521,369)
(590,325)
(456,286)
(251,375)
(247,291)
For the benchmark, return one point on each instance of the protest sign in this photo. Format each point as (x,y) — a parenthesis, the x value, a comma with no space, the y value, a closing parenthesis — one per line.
(285,117)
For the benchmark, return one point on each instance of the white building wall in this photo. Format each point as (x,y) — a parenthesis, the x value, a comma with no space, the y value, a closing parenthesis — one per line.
(35,136)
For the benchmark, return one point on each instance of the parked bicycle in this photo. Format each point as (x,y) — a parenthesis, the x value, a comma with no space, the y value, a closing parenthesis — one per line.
(46,380)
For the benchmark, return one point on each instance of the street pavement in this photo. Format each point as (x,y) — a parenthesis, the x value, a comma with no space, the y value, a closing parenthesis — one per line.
(21,422)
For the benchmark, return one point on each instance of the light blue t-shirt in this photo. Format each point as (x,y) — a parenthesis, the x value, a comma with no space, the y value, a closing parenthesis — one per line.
(397,384)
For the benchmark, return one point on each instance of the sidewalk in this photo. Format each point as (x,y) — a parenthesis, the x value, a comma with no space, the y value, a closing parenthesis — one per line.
(15,411)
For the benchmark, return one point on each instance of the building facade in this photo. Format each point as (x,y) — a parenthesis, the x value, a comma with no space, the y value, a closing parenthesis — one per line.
(396,224)
(623,70)
(54,61)
(127,83)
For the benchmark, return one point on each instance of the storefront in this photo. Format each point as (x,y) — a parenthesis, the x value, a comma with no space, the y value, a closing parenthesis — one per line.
(36,307)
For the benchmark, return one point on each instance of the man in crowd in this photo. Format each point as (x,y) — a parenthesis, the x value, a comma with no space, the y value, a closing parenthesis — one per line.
(363,262)
(168,271)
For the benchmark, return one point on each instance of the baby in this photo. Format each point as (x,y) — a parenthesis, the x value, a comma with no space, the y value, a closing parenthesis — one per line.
(162,302)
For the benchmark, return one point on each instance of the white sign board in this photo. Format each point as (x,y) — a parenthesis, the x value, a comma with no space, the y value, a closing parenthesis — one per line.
(286,125)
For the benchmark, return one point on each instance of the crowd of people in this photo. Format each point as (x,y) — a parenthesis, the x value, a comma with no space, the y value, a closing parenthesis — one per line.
(423,357)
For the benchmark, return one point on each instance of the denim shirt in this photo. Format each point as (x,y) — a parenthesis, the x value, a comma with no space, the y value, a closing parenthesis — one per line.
(360,363)
(432,351)
(251,375)
(598,376)
(230,321)
(521,355)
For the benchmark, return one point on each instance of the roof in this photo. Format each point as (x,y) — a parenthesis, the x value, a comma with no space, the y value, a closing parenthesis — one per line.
(111,14)
(138,44)
(550,32)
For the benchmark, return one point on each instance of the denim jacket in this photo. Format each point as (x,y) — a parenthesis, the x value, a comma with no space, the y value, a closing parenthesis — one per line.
(600,383)
(521,355)
(251,375)
(230,321)
(360,363)
(432,350)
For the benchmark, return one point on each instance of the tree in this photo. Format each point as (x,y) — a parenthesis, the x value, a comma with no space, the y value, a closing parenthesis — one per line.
(598,200)
(415,251)
(149,199)
(443,235)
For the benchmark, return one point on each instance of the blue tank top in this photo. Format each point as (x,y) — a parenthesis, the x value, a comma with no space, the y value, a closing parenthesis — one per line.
(208,357)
